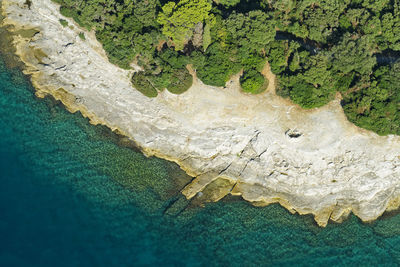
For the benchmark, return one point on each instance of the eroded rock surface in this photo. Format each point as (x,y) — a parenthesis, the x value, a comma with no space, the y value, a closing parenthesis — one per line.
(260,147)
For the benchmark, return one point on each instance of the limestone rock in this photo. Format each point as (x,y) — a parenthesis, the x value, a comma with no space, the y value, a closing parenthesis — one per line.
(263,147)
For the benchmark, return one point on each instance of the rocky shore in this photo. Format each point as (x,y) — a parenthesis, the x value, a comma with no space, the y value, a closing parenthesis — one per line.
(261,147)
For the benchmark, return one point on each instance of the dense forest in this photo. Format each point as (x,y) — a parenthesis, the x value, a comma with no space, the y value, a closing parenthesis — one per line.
(315,47)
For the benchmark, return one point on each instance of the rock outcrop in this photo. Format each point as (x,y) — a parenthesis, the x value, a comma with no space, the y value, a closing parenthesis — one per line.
(260,147)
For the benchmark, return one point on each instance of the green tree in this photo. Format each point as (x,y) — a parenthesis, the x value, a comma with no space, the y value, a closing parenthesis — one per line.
(253,31)
(144,84)
(178,20)
(377,107)
(353,53)
(375,5)
(323,46)
(390,32)
(253,82)
(227,3)
(217,66)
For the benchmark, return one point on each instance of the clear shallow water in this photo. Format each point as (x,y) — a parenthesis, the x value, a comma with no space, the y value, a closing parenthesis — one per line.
(71,195)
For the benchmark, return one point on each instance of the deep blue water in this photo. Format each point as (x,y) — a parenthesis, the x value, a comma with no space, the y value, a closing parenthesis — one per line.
(73,194)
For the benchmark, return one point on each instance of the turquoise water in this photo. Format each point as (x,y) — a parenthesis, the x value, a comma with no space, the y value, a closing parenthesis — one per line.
(72,194)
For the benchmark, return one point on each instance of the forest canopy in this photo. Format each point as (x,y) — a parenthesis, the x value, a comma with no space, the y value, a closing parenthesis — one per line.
(316,48)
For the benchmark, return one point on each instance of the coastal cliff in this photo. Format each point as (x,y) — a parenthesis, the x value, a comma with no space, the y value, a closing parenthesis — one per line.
(260,147)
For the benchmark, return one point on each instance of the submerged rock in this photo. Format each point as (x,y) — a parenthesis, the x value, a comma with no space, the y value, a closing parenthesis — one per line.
(261,147)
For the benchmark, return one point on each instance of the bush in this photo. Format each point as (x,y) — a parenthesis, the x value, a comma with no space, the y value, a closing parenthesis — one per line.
(253,82)
(63,22)
(119,50)
(218,67)
(143,83)
(82,36)
(181,81)
(315,51)
(71,13)
(307,96)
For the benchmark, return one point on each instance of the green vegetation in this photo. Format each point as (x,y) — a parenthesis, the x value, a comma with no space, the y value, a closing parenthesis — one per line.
(316,48)
(253,82)
(179,20)
(63,22)
(377,107)
(82,36)
(181,81)
(227,3)
(144,84)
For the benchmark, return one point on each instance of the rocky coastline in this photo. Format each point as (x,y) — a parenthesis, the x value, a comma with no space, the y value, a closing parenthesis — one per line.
(260,147)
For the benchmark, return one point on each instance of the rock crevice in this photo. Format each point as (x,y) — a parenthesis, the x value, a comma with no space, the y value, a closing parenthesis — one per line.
(260,147)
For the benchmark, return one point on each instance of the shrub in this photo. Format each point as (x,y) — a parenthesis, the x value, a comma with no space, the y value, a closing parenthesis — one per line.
(143,83)
(253,82)
(181,81)
(82,36)
(63,22)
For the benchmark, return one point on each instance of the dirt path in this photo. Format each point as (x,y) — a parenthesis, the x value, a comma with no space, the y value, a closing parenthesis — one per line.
(271,78)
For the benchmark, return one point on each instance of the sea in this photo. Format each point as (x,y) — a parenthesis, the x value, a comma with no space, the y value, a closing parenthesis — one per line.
(74,194)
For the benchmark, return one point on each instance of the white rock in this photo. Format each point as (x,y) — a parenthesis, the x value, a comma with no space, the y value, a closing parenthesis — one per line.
(310,161)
